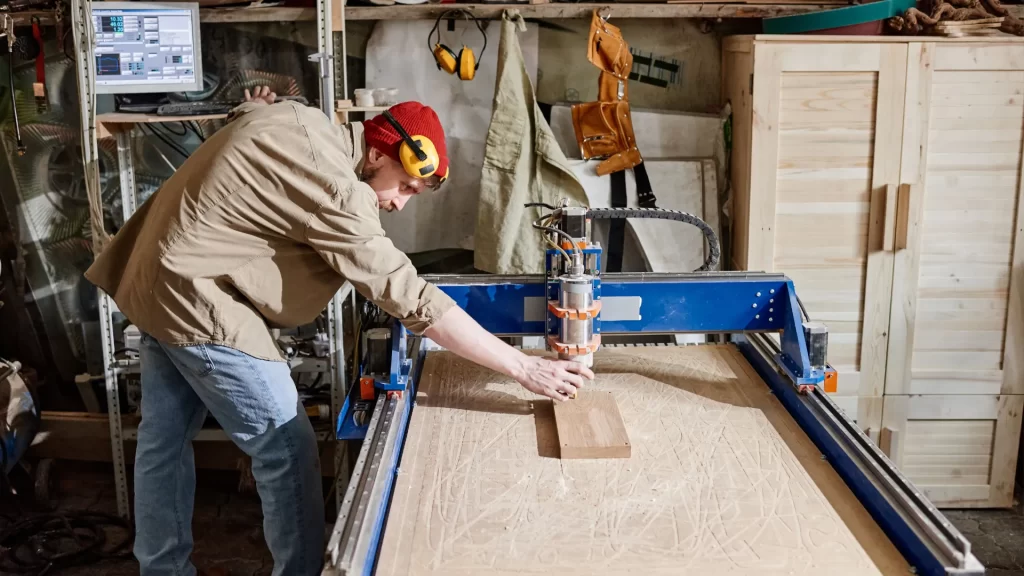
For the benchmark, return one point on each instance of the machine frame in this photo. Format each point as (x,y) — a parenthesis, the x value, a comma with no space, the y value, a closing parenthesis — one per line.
(729,303)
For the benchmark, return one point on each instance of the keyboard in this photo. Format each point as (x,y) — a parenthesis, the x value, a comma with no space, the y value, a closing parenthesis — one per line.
(195,108)
(138,108)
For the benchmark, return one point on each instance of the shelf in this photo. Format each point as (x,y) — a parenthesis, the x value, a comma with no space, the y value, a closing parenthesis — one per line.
(25,18)
(121,118)
(269,14)
(580,10)
(556,10)
(362,109)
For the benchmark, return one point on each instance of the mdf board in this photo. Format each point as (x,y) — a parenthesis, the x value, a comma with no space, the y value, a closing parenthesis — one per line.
(960,451)
(721,480)
(589,426)
(956,320)
(824,156)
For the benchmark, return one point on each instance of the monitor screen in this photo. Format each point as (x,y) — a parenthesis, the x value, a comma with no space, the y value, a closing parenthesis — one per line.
(146,47)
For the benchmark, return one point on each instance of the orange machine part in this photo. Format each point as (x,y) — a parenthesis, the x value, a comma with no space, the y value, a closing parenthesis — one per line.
(366,388)
(574,314)
(560,348)
(831,380)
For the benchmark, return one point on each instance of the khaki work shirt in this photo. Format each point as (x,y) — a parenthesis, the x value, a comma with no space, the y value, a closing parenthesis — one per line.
(259,228)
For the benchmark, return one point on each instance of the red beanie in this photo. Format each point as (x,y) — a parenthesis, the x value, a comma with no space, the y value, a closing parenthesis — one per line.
(418,120)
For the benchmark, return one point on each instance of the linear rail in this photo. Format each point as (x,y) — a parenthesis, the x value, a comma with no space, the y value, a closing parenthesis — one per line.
(920,532)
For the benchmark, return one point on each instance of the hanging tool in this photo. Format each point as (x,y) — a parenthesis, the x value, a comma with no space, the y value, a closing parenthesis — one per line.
(39,86)
(7,29)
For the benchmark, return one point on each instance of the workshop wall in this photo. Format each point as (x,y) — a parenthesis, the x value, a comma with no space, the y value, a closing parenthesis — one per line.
(684,71)
(675,65)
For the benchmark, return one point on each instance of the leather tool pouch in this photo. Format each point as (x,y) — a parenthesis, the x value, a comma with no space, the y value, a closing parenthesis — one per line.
(604,129)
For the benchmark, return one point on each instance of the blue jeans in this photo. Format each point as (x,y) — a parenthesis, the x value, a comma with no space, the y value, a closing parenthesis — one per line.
(256,403)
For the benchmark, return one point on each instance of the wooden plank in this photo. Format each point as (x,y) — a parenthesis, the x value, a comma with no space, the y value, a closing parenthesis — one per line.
(590,426)
(953,407)
(1013,352)
(257,14)
(979,56)
(894,417)
(1004,451)
(480,491)
(764,158)
(737,82)
(892,88)
(906,262)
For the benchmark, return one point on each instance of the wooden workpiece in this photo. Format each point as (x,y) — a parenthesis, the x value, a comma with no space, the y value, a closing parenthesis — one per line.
(720,481)
(590,426)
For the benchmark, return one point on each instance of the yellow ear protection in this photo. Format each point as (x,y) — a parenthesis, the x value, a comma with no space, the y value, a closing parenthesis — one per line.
(417,154)
(465,63)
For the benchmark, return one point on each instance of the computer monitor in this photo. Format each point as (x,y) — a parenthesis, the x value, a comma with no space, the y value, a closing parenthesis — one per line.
(146,47)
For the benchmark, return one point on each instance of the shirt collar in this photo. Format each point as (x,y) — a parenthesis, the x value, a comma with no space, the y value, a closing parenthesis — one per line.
(357,142)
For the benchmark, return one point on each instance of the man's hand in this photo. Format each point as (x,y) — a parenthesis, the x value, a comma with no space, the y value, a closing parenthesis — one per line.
(556,379)
(261,95)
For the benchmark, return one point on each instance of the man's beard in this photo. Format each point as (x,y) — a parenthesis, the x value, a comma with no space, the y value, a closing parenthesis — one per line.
(369,172)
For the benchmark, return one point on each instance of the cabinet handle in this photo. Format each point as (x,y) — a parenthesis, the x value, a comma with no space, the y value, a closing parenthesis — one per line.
(903,216)
(888,231)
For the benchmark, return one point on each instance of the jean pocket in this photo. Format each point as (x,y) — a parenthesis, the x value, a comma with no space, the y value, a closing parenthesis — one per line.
(197,360)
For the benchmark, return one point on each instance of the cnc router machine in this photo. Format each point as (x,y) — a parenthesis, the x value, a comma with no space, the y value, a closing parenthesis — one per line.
(740,462)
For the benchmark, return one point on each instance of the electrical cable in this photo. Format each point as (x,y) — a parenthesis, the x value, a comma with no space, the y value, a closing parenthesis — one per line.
(541,204)
(714,250)
(538,225)
(803,311)
(167,126)
(14,103)
(170,144)
(194,126)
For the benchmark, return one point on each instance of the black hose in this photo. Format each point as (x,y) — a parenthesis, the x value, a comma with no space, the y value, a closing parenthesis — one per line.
(48,542)
(714,250)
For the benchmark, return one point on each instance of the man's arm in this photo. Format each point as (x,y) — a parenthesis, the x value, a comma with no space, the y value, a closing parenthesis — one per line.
(458,332)
(346,232)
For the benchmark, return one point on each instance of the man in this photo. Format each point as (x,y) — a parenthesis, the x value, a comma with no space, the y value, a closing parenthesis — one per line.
(260,227)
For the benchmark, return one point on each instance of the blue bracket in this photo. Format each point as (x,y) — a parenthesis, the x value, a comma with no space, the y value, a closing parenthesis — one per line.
(794,359)
(400,362)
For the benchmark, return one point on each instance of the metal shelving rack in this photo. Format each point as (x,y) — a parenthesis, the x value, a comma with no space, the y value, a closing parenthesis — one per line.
(112,369)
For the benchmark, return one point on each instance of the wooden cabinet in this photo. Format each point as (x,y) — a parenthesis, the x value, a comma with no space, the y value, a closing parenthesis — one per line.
(883,175)
(960,450)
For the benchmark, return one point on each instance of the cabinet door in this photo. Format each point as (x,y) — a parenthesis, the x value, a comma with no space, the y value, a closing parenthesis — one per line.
(961,451)
(824,152)
(956,316)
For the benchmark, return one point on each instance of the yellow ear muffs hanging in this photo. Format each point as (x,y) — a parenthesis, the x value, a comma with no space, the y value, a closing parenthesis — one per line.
(465,63)
(445,58)
(417,153)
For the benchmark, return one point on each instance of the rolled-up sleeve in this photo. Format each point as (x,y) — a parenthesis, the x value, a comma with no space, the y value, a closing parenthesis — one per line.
(346,232)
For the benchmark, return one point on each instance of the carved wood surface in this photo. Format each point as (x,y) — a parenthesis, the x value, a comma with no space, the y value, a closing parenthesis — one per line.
(720,481)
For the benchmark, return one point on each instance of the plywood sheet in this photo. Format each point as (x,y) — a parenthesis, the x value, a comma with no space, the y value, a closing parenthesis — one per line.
(590,426)
(720,481)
